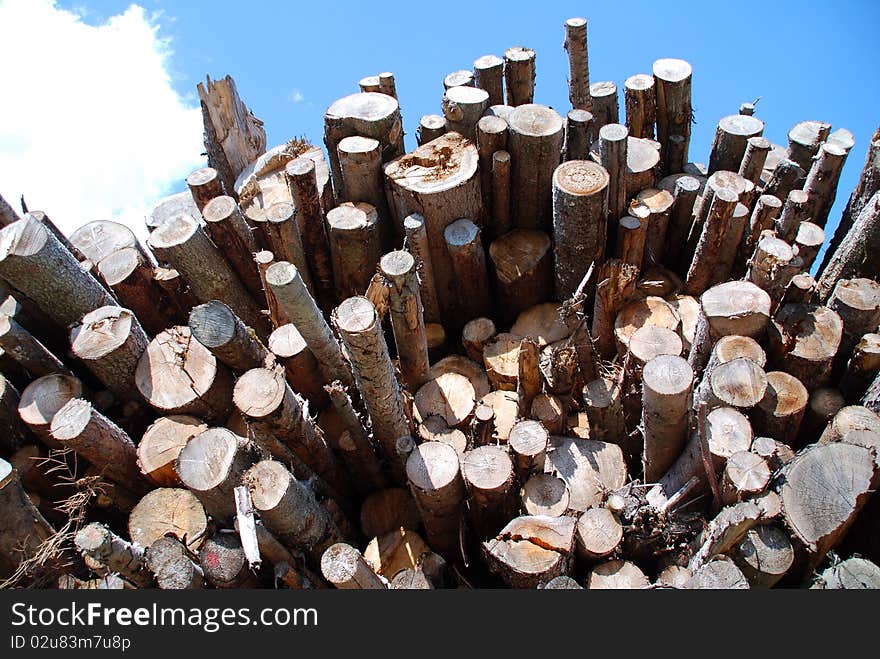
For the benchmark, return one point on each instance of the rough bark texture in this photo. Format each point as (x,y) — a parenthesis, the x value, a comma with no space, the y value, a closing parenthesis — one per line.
(674,113)
(575,45)
(489,75)
(169,561)
(469,267)
(731,142)
(667,382)
(116,554)
(489,480)
(407,319)
(344,567)
(26,349)
(519,75)
(216,327)
(353,233)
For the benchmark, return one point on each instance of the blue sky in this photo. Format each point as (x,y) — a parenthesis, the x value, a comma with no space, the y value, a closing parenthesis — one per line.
(290,60)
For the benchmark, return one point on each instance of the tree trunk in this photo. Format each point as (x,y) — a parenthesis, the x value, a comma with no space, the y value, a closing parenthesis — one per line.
(407,320)
(667,382)
(489,75)
(641,105)
(731,141)
(575,45)
(289,349)
(431,126)
(177,375)
(754,158)
(204,185)
(857,253)
(535,145)
(519,75)
(681,217)
(441,182)
(169,561)
(745,474)
(702,274)
(293,297)
(161,444)
(803,339)
(360,160)
(116,554)
(804,140)
(27,350)
(857,302)
(469,267)
(780,412)
(353,233)
(500,173)
(463,106)
(438,489)
(168,511)
(489,479)
(361,331)
(606,108)
(417,245)
(674,114)
(528,442)
(216,327)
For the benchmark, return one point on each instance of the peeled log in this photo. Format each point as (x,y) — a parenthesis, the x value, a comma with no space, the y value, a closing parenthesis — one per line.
(822,491)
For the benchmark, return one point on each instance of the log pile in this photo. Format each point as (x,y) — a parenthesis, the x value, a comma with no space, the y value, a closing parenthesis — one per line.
(535,351)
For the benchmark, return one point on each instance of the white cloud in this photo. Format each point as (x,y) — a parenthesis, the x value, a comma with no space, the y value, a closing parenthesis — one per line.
(90,125)
(296,96)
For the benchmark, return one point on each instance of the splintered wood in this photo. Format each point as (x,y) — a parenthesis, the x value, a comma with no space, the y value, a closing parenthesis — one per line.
(542,349)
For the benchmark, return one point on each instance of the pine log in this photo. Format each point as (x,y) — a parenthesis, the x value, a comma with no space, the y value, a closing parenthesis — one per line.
(580,190)
(616,575)
(450,396)
(77,425)
(223,561)
(116,554)
(685,194)
(804,140)
(354,444)
(501,357)
(602,402)
(491,136)
(745,474)
(667,382)
(575,45)
(130,277)
(739,383)
(41,400)
(176,290)
(803,340)
(216,327)
(388,510)
(177,375)
(344,567)
(780,412)
(544,494)
(303,183)
(110,341)
(519,75)
(489,76)
(355,247)
(674,114)
(8,215)
(857,302)
(590,468)
(160,445)
(651,310)
(469,267)
(463,106)
(488,476)
(272,408)
(36,263)
(719,574)
(475,335)
(168,511)
(852,574)
(528,442)
(289,349)
(785,177)
(16,434)
(823,404)
(603,96)
(856,255)
(850,419)
(731,140)
(763,218)
(579,131)
(172,565)
(535,145)
(822,491)
(500,174)
(27,350)
(702,273)
(360,160)
(641,105)
(417,245)
(862,368)
(181,242)
(361,331)
(282,233)
(293,297)
(463,366)
(204,185)
(431,126)
(753,159)
(727,349)
(531,550)
(438,489)
(632,232)
(599,533)
(22,528)
(822,179)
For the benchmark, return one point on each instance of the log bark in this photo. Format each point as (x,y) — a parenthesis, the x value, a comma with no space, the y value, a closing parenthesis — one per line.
(388,510)
(529,382)
(475,335)
(613,145)
(804,140)
(216,327)
(172,565)
(667,382)
(674,113)
(823,404)
(786,176)
(289,349)
(16,434)
(468,260)
(177,375)
(165,512)
(849,419)
(535,145)
(862,368)
(519,75)
(160,445)
(293,297)
(407,319)
(274,410)
(355,247)
(489,75)
(641,105)
(580,193)
(438,489)
(822,180)
(176,290)
(754,158)
(36,263)
(491,136)
(183,244)
(344,567)
(387,84)
(27,350)
(575,45)
(223,560)
(803,339)
(361,331)
(22,528)
(659,204)
(282,233)
(8,215)
(857,254)
(857,302)
(702,273)
(731,141)
(115,554)
(631,236)
(809,241)
(780,412)
(354,444)
(606,110)
(441,182)
(79,426)
(500,173)
(463,106)
(360,160)
(431,126)
(417,245)
(42,399)
(488,476)
(204,185)
(763,218)
(303,183)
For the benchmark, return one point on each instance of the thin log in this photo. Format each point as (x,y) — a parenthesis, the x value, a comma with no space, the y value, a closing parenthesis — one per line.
(702,274)
(27,350)
(355,445)
(491,136)
(130,277)
(519,75)
(431,126)
(575,45)
(290,349)
(22,528)
(685,194)
(417,245)
(489,75)
(606,110)
(224,563)
(674,112)
(469,267)
(579,132)
(204,185)
(754,158)
(641,105)
(500,173)
(216,327)
(407,319)
(115,554)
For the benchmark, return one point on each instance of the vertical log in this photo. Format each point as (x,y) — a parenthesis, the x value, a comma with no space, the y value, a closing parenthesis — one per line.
(438,489)
(681,217)
(658,203)
(431,126)
(463,106)
(615,283)
(489,75)
(731,141)
(674,112)
(216,327)
(369,84)
(803,339)
(79,426)
(475,335)
(528,382)
(355,246)
(631,236)
(360,160)
(488,477)
(204,184)
(804,140)
(575,45)
(522,268)
(535,144)
(701,275)
(787,176)
(862,368)
(858,254)
(579,132)
(613,141)
(500,173)
(356,448)
(176,290)
(580,190)
(641,105)
(303,183)
(769,261)
(519,75)
(667,382)
(469,266)
(407,320)
(36,263)
(752,164)
(857,302)
(491,136)
(361,331)
(603,96)
(730,244)
(27,350)
(417,245)
(387,85)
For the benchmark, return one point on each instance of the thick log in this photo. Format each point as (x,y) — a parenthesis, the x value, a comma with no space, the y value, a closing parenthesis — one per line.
(850,419)
(181,242)
(440,181)
(22,528)
(651,310)
(580,194)
(674,113)
(171,563)
(42,399)
(282,234)
(369,115)
(667,382)
(857,254)
(450,396)
(535,144)
(544,494)
(160,445)
(501,357)
(407,320)
(531,550)
(763,218)
(274,410)
(522,270)
(590,468)
(293,297)
(345,568)
(489,480)
(803,339)
(739,383)
(727,349)
(36,263)
(216,327)
(857,302)
(168,511)
(575,45)
(616,575)
(204,185)
(463,106)
(631,234)
(361,331)
(780,412)
(113,553)
(438,489)
(579,135)
(177,375)
(823,404)
(302,180)
(489,75)
(745,474)
(599,533)
(804,140)
(519,75)
(224,563)
(731,141)
(719,574)
(615,283)
(468,260)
